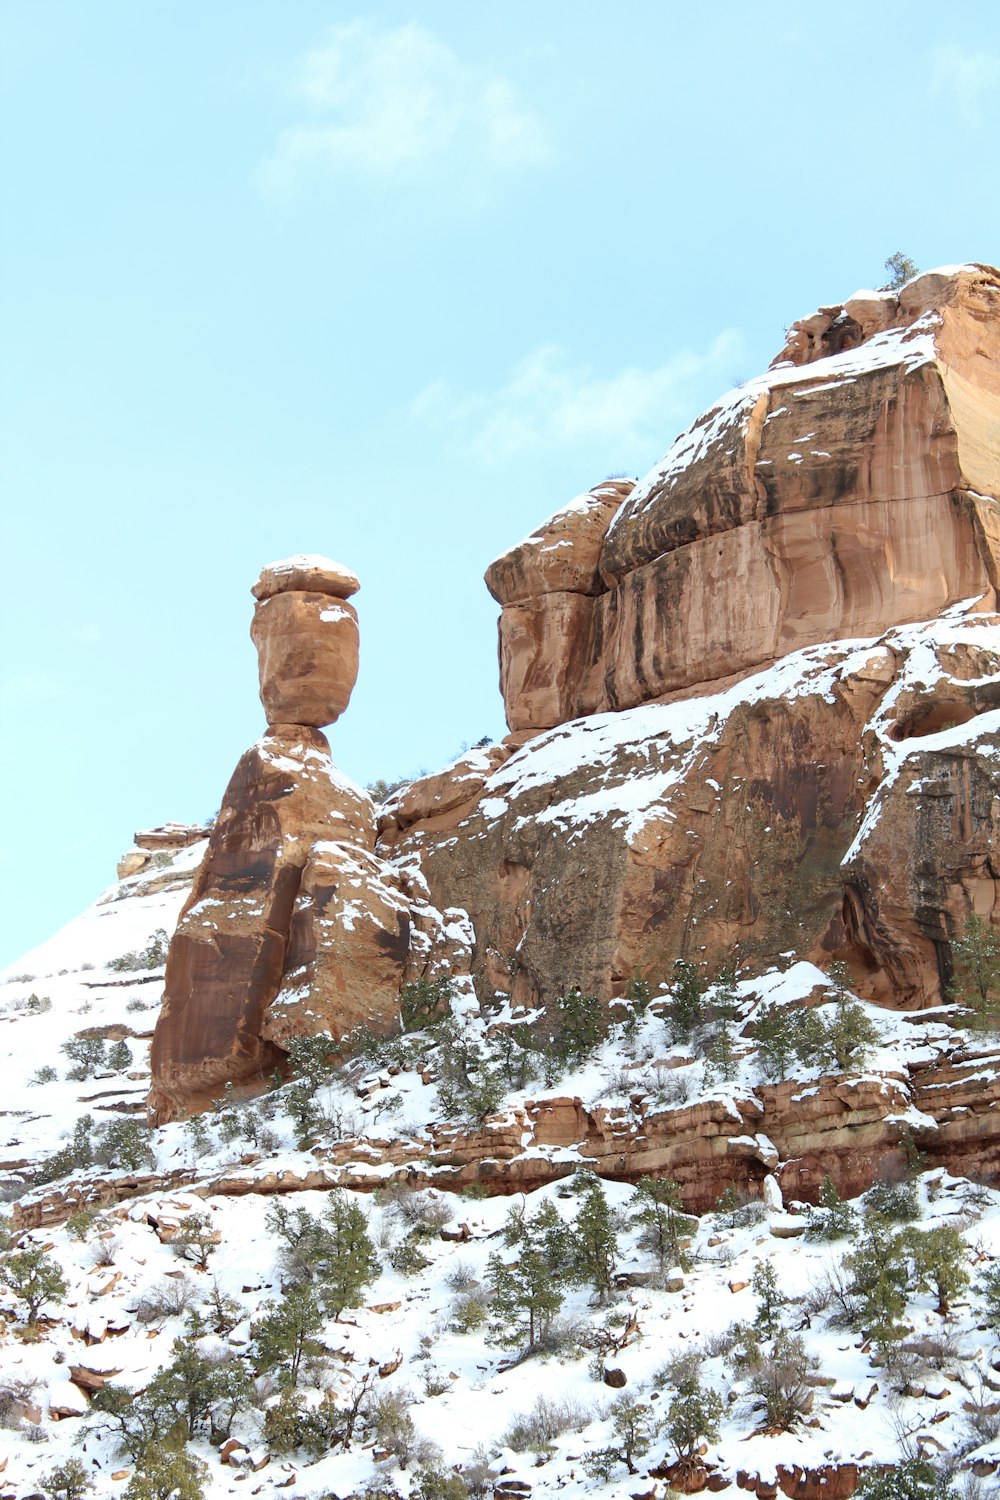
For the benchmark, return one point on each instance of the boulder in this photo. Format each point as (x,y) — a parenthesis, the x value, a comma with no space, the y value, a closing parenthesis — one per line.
(306,574)
(307,645)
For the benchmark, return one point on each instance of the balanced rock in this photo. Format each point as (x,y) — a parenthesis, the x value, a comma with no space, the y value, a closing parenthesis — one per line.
(306,636)
(851,487)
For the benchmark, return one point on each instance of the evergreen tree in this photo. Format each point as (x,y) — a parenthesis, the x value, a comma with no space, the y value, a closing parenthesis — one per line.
(595,1244)
(901,270)
(352,1263)
(658,1212)
(527,1294)
(69,1481)
(195,1239)
(976,961)
(833,1219)
(168,1474)
(684,1012)
(939,1263)
(912,1479)
(286,1334)
(577,1023)
(879,1280)
(770,1299)
(692,1418)
(775,1035)
(34,1278)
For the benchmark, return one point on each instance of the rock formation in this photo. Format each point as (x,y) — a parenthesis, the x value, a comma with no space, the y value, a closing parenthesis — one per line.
(731,735)
(848,489)
(293,925)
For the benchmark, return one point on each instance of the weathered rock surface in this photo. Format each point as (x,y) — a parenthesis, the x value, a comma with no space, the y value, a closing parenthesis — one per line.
(718,828)
(306,574)
(851,488)
(307,644)
(292,925)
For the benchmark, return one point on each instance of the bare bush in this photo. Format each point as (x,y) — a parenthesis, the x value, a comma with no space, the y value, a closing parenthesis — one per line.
(535,1430)
(169,1298)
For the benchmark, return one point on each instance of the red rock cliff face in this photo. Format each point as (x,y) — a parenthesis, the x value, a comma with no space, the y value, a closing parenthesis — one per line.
(851,488)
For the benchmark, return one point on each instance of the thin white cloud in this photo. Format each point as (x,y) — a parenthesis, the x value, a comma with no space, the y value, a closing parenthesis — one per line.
(397,105)
(969,79)
(549,404)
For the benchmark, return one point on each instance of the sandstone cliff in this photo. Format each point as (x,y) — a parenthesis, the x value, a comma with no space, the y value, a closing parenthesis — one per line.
(850,488)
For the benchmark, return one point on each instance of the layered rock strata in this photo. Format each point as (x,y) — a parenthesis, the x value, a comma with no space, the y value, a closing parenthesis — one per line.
(850,488)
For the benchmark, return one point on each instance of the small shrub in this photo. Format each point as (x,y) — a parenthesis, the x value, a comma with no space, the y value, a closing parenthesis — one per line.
(119,1058)
(470,1310)
(635,1428)
(195,1239)
(170,1298)
(893,1202)
(780,1379)
(46,1074)
(424,1001)
(395,1430)
(70,1481)
(153,956)
(833,1219)
(535,1430)
(168,1474)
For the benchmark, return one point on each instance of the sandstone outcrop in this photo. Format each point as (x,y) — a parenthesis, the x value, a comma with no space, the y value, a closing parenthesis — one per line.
(793,811)
(851,488)
(293,924)
(306,636)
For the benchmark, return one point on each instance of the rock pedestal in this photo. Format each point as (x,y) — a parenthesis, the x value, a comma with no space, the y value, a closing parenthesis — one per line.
(293,925)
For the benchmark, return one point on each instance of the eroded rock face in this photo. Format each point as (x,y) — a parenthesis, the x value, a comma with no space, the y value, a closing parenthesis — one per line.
(850,488)
(306,636)
(307,645)
(227,955)
(795,811)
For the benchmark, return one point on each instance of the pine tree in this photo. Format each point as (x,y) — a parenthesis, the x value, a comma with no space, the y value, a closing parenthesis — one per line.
(286,1334)
(939,1263)
(595,1244)
(976,961)
(352,1263)
(901,270)
(34,1278)
(527,1294)
(774,1033)
(879,1279)
(658,1211)
(770,1299)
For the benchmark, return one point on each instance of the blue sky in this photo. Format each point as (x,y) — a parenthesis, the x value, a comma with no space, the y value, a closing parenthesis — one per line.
(392,285)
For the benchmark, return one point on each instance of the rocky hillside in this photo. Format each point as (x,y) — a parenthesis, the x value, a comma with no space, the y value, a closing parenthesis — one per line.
(714,926)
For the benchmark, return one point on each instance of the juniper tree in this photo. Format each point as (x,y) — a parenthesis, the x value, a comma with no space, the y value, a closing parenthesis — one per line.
(34,1278)
(595,1244)
(168,1474)
(879,1281)
(692,1418)
(527,1294)
(195,1239)
(684,1012)
(68,1481)
(577,1026)
(939,1263)
(775,1036)
(634,1427)
(658,1211)
(770,1299)
(976,981)
(833,1219)
(334,1253)
(901,270)
(286,1333)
